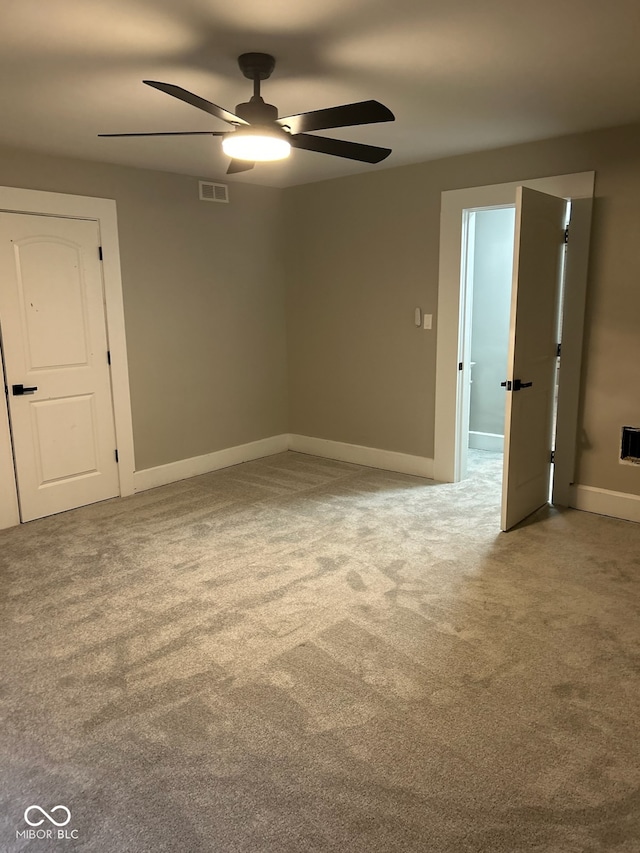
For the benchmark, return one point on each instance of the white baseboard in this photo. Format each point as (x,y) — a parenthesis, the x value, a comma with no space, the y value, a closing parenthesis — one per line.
(149,478)
(617,504)
(388,460)
(486,441)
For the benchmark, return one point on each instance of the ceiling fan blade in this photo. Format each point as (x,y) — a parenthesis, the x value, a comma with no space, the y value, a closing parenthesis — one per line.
(236,166)
(174,133)
(196,101)
(348,115)
(340,148)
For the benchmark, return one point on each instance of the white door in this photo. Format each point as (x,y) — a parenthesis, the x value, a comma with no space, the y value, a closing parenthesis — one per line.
(54,339)
(531,370)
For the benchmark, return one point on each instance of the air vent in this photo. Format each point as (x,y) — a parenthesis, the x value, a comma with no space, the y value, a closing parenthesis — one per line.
(213,192)
(630,449)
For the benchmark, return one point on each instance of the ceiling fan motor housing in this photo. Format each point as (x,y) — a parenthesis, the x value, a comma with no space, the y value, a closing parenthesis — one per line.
(256,111)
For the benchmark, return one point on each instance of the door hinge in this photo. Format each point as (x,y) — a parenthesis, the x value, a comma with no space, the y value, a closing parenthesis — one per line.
(109,356)
(552,457)
(116,452)
(558,350)
(566,234)
(100,252)
(459,365)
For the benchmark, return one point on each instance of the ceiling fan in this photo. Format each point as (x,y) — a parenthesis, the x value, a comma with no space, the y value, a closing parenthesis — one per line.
(260,135)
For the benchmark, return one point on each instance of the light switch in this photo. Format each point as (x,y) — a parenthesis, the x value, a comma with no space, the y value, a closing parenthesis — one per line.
(418,317)
(428,318)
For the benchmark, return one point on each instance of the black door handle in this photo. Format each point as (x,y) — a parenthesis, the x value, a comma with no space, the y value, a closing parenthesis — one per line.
(20,390)
(516,385)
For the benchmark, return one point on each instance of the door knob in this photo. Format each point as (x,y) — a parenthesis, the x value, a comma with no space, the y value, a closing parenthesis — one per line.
(20,390)
(516,385)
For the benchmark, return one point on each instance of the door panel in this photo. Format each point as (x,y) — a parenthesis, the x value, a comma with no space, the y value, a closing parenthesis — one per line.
(55,340)
(54,422)
(539,247)
(53,307)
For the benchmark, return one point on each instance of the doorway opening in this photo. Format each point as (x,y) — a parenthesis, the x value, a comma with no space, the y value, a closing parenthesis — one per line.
(455,376)
(486,292)
(485,286)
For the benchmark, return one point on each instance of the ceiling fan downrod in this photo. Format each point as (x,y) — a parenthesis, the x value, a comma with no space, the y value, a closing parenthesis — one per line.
(256,67)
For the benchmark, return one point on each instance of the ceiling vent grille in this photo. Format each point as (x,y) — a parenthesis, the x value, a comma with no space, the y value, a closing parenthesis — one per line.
(213,192)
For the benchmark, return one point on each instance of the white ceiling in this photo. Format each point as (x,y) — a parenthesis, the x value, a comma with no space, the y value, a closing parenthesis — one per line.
(459,76)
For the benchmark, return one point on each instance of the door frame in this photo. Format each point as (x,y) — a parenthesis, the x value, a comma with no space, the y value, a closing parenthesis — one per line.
(450,334)
(103,211)
(467,273)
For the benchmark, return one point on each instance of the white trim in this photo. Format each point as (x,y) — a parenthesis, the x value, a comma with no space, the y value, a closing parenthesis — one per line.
(449,343)
(467,275)
(486,441)
(616,504)
(102,210)
(9,511)
(372,457)
(150,478)
(573,312)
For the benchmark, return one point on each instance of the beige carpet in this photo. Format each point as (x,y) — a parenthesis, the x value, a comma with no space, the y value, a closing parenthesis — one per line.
(296,654)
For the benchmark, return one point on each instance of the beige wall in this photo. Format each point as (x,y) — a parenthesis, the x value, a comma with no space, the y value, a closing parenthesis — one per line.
(204,303)
(362,253)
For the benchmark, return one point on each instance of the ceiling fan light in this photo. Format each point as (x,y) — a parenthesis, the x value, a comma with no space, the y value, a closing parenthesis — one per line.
(256,145)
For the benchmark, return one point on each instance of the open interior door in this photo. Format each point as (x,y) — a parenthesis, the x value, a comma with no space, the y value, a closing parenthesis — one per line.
(531,363)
